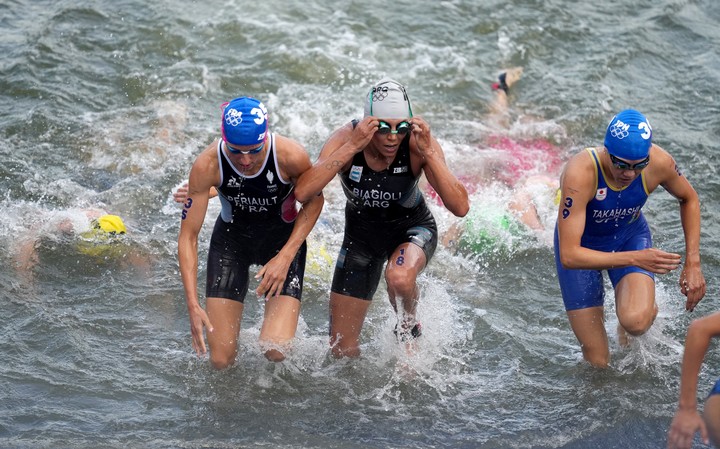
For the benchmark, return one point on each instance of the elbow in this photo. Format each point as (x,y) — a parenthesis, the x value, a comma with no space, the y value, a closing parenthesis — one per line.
(301,194)
(462,209)
(303,189)
(567,262)
(704,327)
(458,206)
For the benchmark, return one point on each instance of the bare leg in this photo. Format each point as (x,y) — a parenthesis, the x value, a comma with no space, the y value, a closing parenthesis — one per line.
(524,208)
(347,315)
(452,236)
(225,314)
(589,328)
(623,338)
(635,303)
(499,106)
(401,274)
(279,326)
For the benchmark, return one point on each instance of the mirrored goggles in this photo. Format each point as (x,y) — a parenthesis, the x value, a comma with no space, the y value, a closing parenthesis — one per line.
(402,128)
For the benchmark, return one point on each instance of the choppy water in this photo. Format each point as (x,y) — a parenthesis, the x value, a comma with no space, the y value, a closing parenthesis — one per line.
(107,103)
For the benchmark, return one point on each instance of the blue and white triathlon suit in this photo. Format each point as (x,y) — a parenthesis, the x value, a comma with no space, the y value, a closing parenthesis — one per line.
(614,222)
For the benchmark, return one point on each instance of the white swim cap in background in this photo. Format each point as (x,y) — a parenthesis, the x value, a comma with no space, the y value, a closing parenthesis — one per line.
(388,99)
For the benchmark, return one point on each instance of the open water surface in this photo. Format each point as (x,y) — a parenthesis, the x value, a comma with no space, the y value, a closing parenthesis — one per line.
(106,104)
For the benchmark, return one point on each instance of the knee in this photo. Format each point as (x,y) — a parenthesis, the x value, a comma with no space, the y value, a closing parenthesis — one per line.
(273,349)
(222,361)
(711,416)
(400,280)
(274,355)
(637,323)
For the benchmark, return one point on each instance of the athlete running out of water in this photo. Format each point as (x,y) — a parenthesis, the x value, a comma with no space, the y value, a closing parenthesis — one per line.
(600,226)
(254,172)
(379,160)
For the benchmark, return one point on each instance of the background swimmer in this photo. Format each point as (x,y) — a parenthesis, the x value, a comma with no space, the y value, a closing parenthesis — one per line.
(92,232)
(525,166)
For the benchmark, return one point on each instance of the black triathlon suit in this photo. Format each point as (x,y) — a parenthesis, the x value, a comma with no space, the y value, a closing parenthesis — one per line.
(251,229)
(384,209)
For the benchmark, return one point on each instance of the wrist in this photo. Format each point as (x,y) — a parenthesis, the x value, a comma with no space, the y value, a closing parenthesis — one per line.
(687,404)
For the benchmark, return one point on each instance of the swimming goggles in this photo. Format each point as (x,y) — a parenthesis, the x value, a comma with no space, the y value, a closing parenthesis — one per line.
(255,150)
(623,165)
(402,128)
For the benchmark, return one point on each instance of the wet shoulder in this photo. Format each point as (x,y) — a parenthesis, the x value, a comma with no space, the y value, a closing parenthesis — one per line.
(580,173)
(292,157)
(662,167)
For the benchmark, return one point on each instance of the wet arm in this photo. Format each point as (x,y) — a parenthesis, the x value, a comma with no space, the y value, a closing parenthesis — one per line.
(448,187)
(202,178)
(699,334)
(304,223)
(692,281)
(687,421)
(334,157)
(192,218)
(295,161)
(578,188)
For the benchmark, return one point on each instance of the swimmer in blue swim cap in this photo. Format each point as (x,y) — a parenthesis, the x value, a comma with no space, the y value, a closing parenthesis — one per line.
(600,226)
(254,173)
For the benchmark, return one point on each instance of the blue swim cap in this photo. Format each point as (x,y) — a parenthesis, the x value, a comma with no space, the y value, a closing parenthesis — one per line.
(629,135)
(244,121)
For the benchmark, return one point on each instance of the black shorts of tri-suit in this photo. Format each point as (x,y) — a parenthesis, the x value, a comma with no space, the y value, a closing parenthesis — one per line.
(368,244)
(234,247)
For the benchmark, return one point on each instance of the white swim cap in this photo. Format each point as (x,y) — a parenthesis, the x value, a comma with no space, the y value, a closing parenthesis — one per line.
(388,99)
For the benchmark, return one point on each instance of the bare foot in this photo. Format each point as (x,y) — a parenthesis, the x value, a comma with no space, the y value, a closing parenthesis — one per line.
(513,75)
(499,107)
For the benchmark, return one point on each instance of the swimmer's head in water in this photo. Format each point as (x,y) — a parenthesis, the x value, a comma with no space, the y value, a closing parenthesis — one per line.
(244,122)
(388,99)
(100,241)
(629,136)
(110,224)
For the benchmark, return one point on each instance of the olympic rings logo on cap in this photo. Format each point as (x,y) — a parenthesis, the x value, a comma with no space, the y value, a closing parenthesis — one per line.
(619,130)
(379,93)
(233,117)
